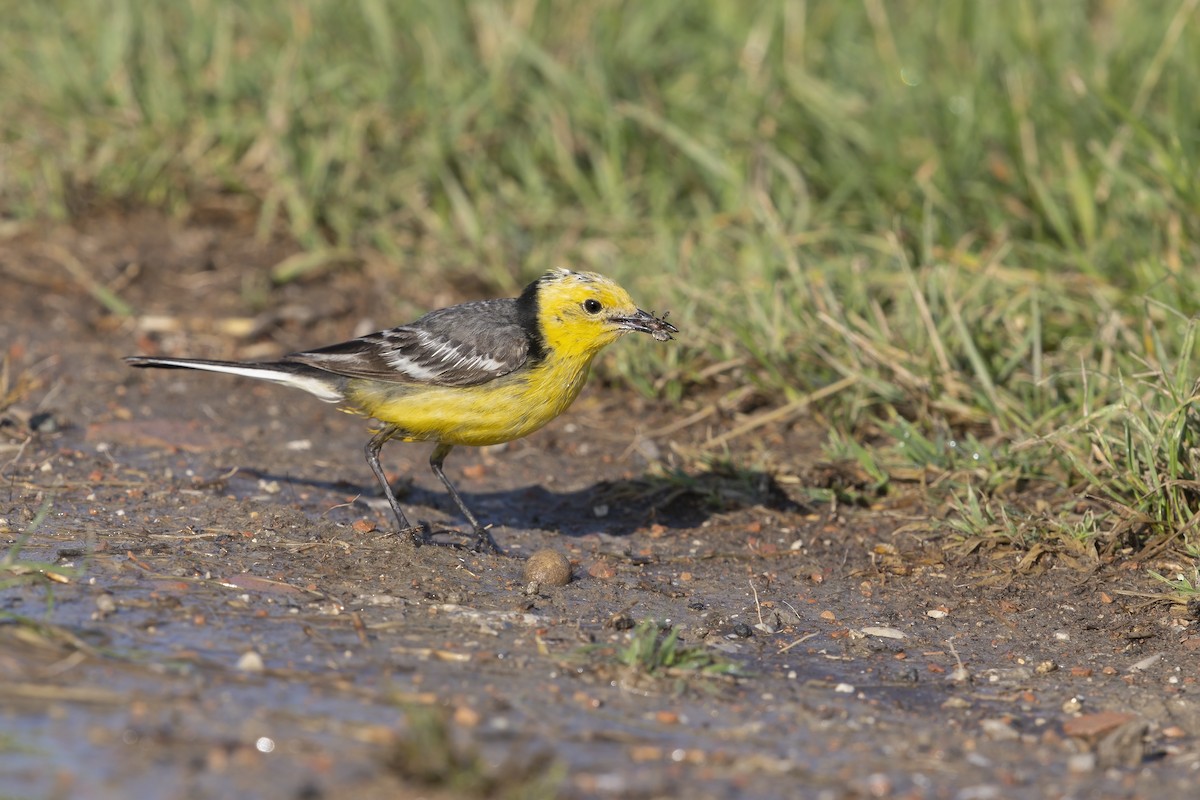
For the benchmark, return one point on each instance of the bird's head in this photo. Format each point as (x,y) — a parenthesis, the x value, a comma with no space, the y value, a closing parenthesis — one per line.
(579,313)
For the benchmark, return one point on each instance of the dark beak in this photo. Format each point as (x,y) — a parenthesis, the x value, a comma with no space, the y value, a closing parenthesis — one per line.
(646,322)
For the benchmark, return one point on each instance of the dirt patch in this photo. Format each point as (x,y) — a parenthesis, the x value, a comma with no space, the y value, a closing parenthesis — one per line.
(211,605)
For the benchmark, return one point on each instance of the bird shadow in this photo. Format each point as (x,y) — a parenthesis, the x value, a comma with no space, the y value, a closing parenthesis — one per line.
(674,499)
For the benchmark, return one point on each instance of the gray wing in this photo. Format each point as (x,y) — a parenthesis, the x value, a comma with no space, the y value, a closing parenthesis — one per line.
(463,345)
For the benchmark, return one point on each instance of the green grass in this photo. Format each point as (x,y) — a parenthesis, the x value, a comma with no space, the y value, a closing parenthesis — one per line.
(984,214)
(18,571)
(1184,589)
(657,653)
(431,752)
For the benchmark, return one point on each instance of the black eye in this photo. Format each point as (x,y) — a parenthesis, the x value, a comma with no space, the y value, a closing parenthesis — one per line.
(592,306)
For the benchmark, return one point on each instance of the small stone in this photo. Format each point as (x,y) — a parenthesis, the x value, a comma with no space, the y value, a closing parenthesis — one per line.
(250,662)
(647,449)
(645,753)
(1081,763)
(875,785)
(884,632)
(1008,676)
(467,716)
(602,570)
(999,730)
(549,568)
(105,604)
(1091,726)
(742,630)
(1146,663)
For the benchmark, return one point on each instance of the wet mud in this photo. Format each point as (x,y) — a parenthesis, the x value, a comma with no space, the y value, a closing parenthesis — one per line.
(200,595)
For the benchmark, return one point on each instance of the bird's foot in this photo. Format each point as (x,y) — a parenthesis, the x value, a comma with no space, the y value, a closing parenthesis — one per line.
(478,540)
(415,534)
(484,543)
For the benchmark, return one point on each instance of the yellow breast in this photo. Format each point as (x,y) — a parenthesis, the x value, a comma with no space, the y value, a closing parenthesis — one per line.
(507,408)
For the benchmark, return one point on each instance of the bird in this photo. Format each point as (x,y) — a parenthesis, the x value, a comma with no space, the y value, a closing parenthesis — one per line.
(478,373)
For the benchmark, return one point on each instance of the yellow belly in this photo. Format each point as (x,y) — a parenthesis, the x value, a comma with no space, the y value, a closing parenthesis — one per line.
(499,411)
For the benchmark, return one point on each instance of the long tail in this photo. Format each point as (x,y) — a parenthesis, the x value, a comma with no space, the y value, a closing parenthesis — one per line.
(298,376)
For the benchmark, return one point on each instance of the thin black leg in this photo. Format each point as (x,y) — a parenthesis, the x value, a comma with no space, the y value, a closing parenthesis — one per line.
(436,459)
(373,448)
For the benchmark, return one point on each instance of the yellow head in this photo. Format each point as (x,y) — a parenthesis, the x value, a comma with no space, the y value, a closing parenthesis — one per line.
(580,313)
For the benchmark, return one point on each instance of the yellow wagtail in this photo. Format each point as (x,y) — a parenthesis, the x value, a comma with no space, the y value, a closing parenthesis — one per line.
(478,373)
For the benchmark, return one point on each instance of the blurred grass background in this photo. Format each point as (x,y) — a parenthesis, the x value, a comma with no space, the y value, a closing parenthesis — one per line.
(977,222)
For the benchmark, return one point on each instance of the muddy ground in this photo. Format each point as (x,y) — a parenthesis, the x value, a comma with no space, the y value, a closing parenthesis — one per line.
(211,605)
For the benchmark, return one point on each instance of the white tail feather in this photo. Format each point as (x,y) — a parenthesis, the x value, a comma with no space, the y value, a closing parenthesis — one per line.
(315,386)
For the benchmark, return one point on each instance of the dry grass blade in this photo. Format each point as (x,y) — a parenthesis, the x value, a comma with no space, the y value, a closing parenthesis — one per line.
(777,415)
(75,268)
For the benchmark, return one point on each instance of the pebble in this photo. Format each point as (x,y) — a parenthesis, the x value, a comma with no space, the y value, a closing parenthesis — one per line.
(1008,676)
(1146,663)
(883,632)
(1081,763)
(105,604)
(999,730)
(250,661)
(1090,726)
(601,570)
(548,568)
